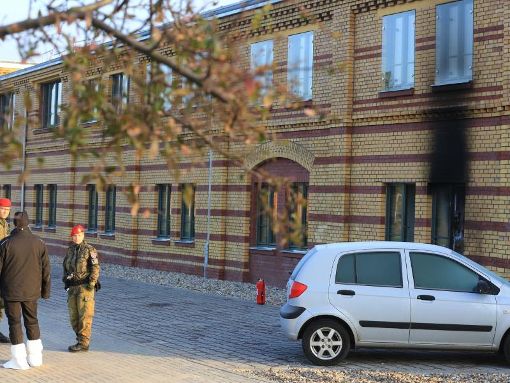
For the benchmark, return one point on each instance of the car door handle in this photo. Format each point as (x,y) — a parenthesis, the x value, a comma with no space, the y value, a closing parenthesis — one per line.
(426,297)
(346,292)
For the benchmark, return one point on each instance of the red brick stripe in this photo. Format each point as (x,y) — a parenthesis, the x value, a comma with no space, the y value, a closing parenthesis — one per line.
(425,47)
(490,261)
(164,256)
(370,220)
(502,227)
(426,39)
(488,38)
(224,212)
(427,103)
(492,88)
(367,49)
(405,158)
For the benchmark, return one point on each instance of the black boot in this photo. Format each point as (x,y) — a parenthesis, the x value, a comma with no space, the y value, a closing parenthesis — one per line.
(4,339)
(78,347)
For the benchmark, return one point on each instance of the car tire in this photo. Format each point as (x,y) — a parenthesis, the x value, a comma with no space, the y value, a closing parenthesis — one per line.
(326,342)
(506,348)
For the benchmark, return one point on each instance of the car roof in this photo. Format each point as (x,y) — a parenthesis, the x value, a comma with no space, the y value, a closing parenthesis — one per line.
(367,245)
(348,246)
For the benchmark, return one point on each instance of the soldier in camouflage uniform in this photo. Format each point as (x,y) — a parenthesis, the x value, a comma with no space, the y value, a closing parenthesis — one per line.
(5,209)
(81,273)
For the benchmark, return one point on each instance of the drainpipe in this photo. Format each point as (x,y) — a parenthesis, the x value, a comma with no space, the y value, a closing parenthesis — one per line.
(206,246)
(25,129)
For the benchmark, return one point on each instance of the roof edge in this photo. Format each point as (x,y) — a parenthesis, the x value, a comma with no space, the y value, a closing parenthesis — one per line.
(224,11)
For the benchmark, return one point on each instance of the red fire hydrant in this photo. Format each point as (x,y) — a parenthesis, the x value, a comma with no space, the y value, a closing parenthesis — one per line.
(261,291)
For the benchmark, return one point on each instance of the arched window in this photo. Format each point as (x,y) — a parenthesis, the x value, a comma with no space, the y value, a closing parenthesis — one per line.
(280,199)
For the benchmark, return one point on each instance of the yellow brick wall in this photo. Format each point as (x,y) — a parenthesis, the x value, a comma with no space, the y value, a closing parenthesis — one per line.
(343,151)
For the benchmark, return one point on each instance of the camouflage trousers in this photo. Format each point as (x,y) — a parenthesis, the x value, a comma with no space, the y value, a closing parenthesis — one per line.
(80,303)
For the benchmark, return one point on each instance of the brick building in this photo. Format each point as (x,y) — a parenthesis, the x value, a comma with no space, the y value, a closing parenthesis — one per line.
(11,66)
(413,144)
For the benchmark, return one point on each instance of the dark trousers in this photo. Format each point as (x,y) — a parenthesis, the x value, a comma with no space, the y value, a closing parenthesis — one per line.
(13,310)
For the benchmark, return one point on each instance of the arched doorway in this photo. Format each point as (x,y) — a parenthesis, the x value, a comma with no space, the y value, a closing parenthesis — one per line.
(278,224)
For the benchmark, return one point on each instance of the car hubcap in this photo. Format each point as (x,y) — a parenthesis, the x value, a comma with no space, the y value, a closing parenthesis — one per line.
(326,343)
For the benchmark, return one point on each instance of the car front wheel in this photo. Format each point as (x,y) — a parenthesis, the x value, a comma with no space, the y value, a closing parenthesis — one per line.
(326,342)
(506,348)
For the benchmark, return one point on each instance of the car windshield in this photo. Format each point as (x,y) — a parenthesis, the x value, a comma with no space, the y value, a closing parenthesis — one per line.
(482,268)
(301,263)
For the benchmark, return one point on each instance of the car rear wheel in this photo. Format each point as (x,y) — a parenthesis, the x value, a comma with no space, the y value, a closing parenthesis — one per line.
(326,342)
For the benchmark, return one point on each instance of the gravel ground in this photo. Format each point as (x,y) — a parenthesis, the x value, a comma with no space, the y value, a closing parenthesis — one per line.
(245,291)
(323,375)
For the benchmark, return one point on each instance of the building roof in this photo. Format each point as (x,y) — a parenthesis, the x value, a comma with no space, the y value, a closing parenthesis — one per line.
(220,12)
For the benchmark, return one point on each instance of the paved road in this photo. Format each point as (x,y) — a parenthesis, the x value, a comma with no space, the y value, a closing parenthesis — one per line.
(150,333)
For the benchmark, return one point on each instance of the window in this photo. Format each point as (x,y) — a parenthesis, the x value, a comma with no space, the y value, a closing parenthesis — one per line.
(120,91)
(448,215)
(189,98)
(166,93)
(371,269)
(38,205)
(454,42)
(300,65)
(400,212)
(7,191)
(266,215)
(7,102)
(92,90)
(92,207)
(297,209)
(52,205)
(50,104)
(188,212)
(163,211)
(109,221)
(435,272)
(162,78)
(398,51)
(262,62)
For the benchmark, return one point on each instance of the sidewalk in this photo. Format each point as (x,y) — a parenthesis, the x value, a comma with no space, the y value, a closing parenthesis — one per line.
(141,333)
(150,333)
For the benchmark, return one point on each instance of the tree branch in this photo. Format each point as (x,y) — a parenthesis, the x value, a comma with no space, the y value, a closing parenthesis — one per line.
(52,18)
(143,48)
(84,12)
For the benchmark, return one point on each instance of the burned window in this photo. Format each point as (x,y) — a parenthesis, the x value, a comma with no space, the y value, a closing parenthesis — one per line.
(448,202)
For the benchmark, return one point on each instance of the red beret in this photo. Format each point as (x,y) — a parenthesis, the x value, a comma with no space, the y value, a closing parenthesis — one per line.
(77,230)
(5,202)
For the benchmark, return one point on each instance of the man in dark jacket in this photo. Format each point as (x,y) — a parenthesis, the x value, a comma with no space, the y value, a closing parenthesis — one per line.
(5,209)
(24,278)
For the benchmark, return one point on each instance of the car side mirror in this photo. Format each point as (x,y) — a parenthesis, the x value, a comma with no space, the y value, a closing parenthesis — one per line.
(485,287)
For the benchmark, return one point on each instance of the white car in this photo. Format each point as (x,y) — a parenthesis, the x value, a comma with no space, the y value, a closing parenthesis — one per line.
(394,294)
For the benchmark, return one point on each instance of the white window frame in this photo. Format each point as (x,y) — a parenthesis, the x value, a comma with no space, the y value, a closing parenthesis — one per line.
(51,103)
(300,65)
(261,54)
(398,51)
(454,42)
(120,90)
(8,109)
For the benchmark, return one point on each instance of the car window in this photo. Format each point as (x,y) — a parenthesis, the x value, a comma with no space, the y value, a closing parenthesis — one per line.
(370,268)
(302,262)
(345,269)
(436,272)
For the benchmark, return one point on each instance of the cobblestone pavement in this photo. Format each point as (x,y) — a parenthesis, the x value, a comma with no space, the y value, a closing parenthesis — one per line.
(149,333)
